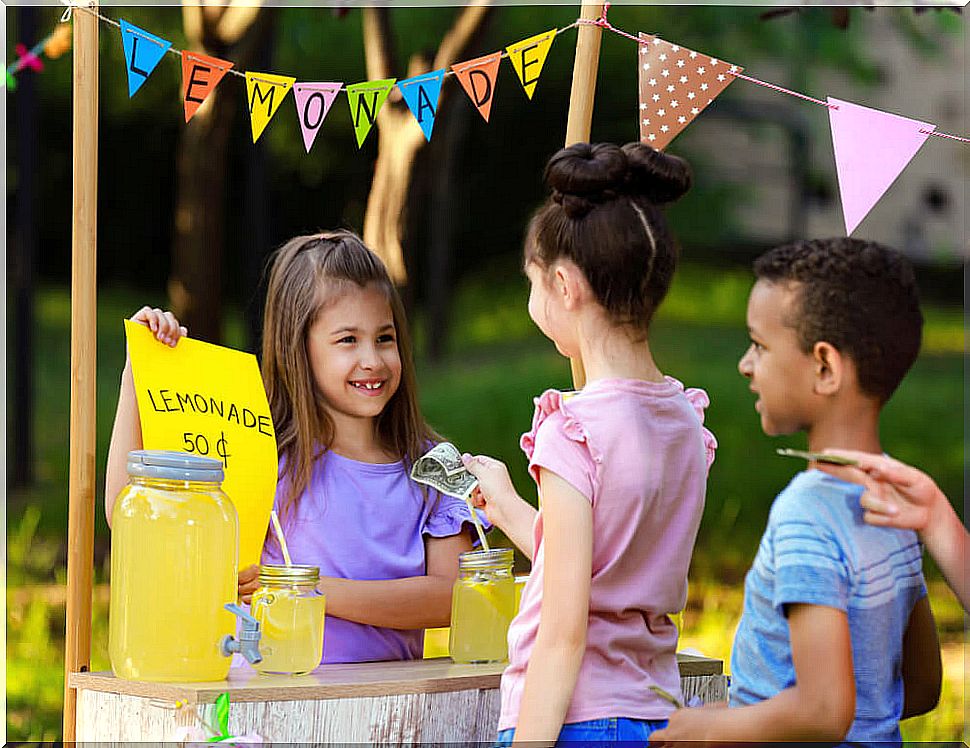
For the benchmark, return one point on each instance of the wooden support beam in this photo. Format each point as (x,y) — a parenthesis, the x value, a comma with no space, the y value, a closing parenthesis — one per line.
(581,98)
(80,529)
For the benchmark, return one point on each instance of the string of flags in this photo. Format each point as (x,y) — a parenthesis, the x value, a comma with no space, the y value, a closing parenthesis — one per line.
(52,46)
(676,84)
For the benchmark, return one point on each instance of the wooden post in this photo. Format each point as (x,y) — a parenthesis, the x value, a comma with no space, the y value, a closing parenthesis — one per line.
(581,99)
(80,527)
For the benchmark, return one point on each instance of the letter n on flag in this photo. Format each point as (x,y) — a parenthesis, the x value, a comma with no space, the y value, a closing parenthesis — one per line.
(366,100)
(477,77)
(200,75)
(871,149)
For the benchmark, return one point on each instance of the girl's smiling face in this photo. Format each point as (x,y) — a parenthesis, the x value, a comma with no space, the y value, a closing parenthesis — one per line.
(352,347)
(781,374)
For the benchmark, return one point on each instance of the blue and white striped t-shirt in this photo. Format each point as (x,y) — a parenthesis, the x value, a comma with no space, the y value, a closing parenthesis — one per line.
(817,550)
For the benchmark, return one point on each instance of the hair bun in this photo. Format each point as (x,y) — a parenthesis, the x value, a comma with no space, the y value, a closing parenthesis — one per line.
(583,175)
(660,177)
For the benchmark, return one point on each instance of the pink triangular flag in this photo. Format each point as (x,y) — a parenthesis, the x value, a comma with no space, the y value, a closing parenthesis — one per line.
(313,101)
(871,149)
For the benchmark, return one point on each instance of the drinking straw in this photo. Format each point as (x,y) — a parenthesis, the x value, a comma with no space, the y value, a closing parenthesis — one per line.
(478,524)
(279,535)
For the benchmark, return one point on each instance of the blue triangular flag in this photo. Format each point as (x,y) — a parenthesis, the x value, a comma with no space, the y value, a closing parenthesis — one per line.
(421,95)
(142,53)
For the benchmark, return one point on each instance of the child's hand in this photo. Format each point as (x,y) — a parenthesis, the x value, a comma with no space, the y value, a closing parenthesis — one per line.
(694,724)
(248,583)
(495,489)
(164,326)
(896,495)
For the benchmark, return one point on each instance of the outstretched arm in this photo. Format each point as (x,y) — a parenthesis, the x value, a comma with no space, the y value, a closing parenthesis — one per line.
(126,432)
(899,495)
(504,508)
(819,707)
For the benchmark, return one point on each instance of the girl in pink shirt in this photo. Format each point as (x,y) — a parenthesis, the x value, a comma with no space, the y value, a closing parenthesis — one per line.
(621,466)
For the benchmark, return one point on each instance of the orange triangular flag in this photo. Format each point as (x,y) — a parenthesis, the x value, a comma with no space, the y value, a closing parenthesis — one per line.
(200,74)
(675,85)
(477,77)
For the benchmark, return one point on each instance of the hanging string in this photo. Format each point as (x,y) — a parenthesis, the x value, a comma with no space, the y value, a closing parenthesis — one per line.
(603,23)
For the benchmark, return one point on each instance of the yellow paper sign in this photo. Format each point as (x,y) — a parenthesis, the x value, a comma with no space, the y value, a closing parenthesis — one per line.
(528,56)
(208,400)
(265,92)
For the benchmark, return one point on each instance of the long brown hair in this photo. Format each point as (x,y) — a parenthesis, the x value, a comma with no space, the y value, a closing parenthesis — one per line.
(305,273)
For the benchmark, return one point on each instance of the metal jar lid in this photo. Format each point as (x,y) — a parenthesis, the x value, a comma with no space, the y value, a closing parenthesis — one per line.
(278,574)
(168,465)
(495,558)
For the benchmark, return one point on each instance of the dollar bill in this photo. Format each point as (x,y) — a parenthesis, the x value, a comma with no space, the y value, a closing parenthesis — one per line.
(442,468)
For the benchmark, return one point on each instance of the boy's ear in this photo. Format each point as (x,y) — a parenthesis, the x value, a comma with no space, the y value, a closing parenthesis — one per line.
(830,368)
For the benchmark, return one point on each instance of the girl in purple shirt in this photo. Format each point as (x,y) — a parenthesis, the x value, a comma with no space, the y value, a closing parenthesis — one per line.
(339,378)
(621,466)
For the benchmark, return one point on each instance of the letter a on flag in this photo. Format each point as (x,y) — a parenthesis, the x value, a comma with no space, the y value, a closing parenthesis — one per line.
(313,102)
(265,92)
(421,95)
(366,100)
(477,77)
(528,56)
(143,51)
(200,75)
(871,149)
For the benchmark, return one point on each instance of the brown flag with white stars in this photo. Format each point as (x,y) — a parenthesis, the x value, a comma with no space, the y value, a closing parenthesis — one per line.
(675,86)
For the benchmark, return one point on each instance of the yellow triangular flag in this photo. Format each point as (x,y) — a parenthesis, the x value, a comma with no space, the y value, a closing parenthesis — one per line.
(265,92)
(528,56)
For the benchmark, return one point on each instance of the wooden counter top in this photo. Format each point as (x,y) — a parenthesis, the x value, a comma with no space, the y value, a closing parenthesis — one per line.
(336,681)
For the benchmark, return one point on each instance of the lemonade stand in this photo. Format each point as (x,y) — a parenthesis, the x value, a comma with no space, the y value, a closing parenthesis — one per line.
(438,699)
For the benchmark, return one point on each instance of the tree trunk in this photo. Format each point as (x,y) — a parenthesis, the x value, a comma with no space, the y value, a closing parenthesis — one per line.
(195,287)
(399,136)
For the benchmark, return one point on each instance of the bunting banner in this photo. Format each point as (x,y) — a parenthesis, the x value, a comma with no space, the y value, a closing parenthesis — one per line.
(477,77)
(313,102)
(676,84)
(143,52)
(366,99)
(871,149)
(200,75)
(421,94)
(265,92)
(528,56)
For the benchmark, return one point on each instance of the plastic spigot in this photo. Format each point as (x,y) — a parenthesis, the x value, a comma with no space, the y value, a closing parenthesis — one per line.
(248,642)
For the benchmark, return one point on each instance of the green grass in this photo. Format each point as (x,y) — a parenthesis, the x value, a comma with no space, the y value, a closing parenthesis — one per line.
(480,396)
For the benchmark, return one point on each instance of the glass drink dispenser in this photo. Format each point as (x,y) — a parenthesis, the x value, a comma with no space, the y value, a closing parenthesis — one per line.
(174,554)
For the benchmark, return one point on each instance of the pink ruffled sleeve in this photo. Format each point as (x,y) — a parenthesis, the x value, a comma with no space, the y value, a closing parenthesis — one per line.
(559,443)
(700,401)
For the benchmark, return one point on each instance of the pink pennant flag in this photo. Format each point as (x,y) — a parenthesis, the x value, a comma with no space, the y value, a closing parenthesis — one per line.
(871,149)
(313,101)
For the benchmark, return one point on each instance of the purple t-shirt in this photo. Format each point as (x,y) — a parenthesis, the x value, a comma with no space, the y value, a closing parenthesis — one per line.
(359,520)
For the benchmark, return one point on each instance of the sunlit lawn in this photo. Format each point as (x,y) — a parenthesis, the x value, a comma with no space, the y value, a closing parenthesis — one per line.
(480,396)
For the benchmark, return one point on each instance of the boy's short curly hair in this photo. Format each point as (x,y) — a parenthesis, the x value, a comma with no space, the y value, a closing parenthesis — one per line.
(859,296)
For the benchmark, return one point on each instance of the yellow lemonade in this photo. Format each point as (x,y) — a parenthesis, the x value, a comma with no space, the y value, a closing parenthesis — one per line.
(482,606)
(291,616)
(173,568)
